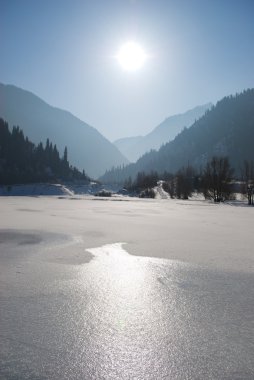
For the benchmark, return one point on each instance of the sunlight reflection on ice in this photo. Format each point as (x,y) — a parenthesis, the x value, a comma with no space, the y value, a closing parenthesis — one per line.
(114,250)
(123,268)
(127,306)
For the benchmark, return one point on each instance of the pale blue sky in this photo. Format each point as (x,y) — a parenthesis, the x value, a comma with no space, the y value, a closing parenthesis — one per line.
(63,51)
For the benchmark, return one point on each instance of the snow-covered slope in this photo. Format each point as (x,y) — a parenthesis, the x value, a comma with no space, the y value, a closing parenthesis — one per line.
(35,189)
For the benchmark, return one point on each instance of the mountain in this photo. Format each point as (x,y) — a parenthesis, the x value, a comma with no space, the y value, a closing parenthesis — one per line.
(87,148)
(135,147)
(225,130)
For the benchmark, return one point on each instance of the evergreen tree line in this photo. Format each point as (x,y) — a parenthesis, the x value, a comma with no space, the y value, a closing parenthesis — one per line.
(21,161)
(215,181)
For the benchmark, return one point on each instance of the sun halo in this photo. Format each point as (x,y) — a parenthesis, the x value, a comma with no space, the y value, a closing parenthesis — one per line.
(131,56)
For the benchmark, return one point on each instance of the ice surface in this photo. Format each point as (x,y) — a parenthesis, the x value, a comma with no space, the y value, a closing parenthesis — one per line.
(174,301)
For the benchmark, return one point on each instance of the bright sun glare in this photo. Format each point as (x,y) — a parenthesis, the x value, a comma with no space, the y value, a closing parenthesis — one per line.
(131,56)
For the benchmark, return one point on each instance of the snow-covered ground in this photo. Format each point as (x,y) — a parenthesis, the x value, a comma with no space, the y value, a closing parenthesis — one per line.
(160,193)
(35,189)
(196,231)
(40,189)
(122,288)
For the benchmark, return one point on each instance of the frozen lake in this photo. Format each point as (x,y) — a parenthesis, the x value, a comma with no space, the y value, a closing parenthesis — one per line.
(125,289)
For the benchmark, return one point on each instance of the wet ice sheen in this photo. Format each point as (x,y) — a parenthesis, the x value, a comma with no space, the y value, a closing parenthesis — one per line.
(125,317)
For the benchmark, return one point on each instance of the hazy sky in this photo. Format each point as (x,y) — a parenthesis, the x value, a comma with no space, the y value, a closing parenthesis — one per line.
(64,51)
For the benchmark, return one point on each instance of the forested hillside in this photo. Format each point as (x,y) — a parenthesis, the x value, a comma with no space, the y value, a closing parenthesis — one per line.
(225,130)
(134,147)
(21,161)
(39,121)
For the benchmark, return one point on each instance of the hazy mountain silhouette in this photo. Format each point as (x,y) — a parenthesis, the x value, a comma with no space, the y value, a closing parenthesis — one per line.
(225,130)
(87,148)
(135,147)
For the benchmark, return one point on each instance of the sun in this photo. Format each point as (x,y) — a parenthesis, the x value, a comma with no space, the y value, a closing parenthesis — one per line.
(131,56)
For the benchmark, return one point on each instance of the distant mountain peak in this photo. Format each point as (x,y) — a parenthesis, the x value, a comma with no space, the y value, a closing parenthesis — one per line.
(135,147)
(226,129)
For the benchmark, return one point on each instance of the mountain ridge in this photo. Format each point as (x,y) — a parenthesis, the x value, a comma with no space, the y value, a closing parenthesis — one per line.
(134,147)
(227,129)
(87,148)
